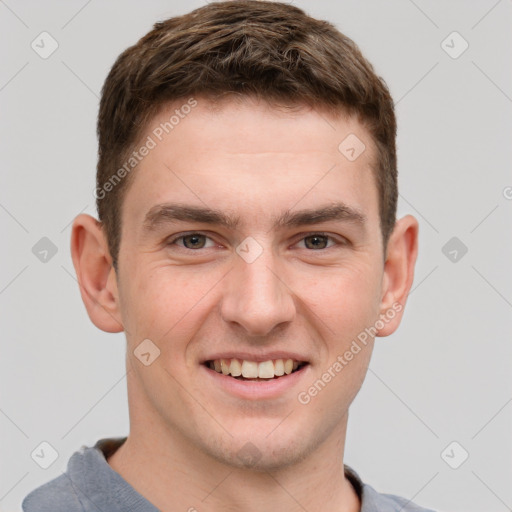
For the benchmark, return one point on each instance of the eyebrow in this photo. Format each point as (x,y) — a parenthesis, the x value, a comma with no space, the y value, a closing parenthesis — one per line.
(166,213)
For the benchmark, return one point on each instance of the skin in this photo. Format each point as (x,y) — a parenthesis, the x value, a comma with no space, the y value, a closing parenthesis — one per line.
(186,432)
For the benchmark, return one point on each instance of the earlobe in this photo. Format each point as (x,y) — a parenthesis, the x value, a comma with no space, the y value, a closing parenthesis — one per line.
(398,272)
(95,273)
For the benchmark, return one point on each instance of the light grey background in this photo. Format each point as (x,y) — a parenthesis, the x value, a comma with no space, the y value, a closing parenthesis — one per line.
(444,376)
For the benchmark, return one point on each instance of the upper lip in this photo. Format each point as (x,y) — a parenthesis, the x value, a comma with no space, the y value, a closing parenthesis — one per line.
(259,358)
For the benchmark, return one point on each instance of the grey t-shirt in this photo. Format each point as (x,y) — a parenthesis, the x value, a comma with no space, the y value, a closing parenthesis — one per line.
(91,485)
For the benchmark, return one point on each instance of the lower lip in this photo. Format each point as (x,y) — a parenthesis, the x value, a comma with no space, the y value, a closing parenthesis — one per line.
(256,390)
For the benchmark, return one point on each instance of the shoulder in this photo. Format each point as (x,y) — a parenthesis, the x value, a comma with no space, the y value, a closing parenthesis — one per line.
(374,501)
(87,483)
(389,502)
(57,495)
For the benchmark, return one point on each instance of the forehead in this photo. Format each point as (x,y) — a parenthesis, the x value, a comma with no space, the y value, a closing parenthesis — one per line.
(249,155)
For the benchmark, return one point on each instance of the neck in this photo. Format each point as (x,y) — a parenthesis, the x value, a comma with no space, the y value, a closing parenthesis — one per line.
(165,470)
(169,470)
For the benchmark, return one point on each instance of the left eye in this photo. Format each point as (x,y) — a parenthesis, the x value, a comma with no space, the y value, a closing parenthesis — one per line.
(193,241)
(316,241)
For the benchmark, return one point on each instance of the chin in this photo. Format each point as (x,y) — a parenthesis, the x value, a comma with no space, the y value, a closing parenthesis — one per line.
(261,452)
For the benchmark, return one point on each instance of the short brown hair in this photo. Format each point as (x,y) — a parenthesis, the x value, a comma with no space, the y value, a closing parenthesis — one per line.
(269,50)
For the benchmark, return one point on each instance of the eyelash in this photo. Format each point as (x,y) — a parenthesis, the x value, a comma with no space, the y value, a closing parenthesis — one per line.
(304,236)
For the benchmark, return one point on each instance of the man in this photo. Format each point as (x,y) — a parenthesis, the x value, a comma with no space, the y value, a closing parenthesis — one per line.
(247,245)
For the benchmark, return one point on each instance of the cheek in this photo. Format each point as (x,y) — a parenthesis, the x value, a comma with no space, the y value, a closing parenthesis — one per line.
(353,306)
(161,301)
(346,300)
(165,301)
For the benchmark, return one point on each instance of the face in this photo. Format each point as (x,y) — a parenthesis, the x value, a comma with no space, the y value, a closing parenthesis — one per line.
(249,278)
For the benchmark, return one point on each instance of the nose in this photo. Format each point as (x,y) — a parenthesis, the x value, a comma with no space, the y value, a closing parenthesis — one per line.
(257,297)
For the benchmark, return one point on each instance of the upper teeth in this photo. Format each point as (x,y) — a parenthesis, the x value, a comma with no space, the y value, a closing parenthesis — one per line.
(253,369)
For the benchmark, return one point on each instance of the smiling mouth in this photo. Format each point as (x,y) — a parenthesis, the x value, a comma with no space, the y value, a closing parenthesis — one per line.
(255,371)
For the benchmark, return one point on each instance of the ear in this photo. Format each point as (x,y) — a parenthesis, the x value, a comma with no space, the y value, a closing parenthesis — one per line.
(398,276)
(95,273)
